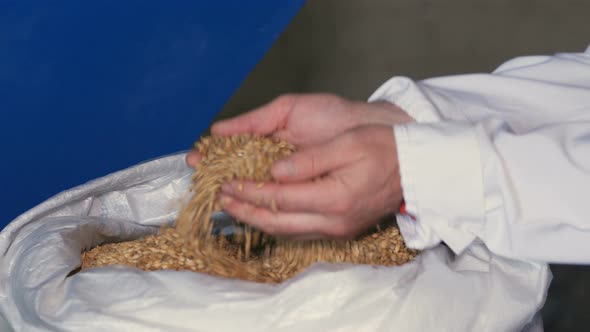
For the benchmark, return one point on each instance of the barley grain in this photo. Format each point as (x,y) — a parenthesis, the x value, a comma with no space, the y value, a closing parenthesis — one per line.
(247,254)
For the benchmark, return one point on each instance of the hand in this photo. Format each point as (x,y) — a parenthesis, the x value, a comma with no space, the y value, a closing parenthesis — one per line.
(335,189)
(304,120)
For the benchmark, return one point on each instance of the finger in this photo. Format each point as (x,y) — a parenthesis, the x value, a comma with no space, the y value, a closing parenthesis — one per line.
(264,120)
(321,196)
(277,224)
(313,161)
(193,158)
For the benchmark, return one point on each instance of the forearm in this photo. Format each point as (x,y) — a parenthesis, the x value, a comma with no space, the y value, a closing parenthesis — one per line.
(497,158)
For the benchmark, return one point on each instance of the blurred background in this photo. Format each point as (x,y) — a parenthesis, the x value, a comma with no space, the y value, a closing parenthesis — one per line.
(350,47)
(88,88)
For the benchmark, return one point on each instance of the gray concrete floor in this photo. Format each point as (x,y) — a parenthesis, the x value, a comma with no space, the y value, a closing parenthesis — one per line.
(350,47)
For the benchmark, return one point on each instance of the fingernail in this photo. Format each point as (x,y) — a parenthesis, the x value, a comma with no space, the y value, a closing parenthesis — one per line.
(192,159)
(218,128)
(218,124)
(227,188)
(224,201)
(284,168)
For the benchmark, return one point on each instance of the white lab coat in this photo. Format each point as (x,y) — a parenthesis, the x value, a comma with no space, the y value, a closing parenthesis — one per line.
(502,158)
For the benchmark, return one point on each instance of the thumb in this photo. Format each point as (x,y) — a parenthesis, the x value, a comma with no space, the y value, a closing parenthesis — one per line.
(263,121)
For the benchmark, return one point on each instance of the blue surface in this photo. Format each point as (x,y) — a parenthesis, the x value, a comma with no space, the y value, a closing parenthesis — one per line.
(92,87)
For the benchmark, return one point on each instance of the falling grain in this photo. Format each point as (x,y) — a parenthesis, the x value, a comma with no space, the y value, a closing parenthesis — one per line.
(247,253)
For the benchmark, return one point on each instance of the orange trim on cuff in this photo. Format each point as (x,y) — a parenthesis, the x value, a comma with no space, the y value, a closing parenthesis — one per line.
(404,211)
(402,208)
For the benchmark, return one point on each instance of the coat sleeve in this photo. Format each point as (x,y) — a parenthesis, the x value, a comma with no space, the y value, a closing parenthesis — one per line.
(502,158)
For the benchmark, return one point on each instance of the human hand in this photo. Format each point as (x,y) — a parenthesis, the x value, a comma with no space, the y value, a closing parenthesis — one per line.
(334,189)
(305,120)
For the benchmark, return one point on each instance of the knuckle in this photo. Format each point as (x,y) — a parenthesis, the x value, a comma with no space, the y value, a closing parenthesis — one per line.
(331,98)
(309,161)
(313,162)
(279,196)
(244,210)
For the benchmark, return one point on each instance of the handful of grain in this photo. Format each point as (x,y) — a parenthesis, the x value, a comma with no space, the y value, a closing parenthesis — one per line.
(247,254)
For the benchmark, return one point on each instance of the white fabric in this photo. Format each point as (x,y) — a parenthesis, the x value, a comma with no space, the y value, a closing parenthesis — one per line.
(475,291)
(502,158)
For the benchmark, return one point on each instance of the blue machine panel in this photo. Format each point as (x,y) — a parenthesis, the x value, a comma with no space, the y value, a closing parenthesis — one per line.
(92,87)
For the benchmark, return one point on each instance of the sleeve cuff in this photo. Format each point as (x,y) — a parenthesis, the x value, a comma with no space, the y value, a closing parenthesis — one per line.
(408,95)
(441,175)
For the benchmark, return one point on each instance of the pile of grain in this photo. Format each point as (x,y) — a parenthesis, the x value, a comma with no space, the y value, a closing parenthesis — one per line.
(241,157)
(166,251)
(249,254)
